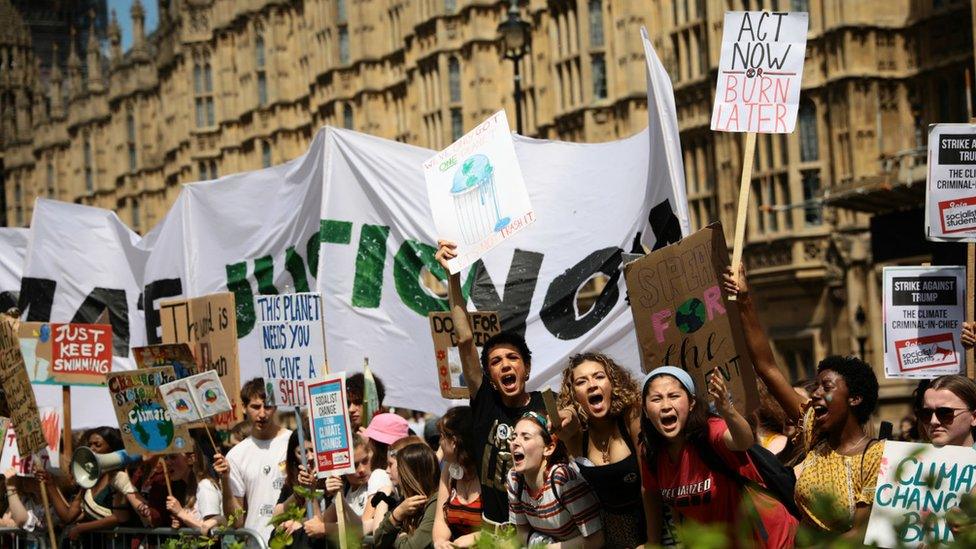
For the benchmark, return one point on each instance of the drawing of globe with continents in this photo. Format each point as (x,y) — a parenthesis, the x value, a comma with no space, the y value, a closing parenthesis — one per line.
(690,316)
(150,427)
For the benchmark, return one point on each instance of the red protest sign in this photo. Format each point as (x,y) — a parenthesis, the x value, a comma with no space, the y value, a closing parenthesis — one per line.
(81,353)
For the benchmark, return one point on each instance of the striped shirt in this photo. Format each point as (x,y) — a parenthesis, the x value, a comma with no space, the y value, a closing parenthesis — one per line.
(576,512)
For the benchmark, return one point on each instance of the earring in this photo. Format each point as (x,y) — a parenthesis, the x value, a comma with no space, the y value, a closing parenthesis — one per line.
(526,377)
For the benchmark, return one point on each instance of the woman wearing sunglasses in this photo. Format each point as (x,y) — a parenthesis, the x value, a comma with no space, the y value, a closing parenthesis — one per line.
(948,412)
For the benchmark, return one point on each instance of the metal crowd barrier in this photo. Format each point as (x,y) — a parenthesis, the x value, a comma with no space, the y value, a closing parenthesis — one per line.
(125,538)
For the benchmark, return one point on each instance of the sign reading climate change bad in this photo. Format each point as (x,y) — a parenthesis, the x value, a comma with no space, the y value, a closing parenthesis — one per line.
(950,192)
(682,318)
(146,425)
(476,191)
(759,72)
(329,425)
(918,486)
(923,312)
(292,344)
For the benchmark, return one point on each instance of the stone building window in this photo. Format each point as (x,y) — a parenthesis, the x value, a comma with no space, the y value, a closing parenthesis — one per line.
(599,69)
(807,121)
(130,139)
(450,6)
(265,154)
(812,210)
(89,168)
(18,204)
(567,62)
(50,181)
(262,77)
(207,169)
(454,79)
(343,45)
(347,117)
(136,214)
(800,5)
(341,11)
(596,23)
(457,124)
(203,92)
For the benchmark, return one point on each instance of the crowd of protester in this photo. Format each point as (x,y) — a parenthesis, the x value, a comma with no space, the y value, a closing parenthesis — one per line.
(624,464)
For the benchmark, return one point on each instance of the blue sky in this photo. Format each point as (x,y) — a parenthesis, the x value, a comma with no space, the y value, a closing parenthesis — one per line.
(122,8)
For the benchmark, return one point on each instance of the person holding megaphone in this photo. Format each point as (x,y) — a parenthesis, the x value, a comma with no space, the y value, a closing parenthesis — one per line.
(106,497)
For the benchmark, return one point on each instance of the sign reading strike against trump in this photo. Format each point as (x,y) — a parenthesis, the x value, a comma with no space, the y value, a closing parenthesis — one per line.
(950,192)
(682,317)
(292,344)
(918,492)
(329,425)
(759,72)
(924,308)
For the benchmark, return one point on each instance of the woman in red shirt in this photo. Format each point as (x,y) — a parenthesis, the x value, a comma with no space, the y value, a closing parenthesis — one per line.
(677,429)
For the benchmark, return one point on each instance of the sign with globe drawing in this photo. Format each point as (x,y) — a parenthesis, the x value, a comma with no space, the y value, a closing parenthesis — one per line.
(146,424)
(682,317)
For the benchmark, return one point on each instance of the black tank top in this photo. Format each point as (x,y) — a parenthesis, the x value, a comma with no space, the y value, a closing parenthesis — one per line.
(618,487)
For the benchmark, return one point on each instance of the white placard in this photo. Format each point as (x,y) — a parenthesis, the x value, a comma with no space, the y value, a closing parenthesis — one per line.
(52,424)
(759,72)
(195,397)
(950,187)
(917,485)
(476,191)
(923,312)
(292,344)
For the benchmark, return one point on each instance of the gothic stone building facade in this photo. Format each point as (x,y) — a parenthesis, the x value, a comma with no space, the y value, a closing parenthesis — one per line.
(223,86)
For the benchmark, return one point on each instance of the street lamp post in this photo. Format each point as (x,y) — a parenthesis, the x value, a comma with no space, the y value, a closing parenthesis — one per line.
(515,41)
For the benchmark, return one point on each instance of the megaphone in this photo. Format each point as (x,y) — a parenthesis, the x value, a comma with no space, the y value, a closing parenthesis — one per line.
(87,466)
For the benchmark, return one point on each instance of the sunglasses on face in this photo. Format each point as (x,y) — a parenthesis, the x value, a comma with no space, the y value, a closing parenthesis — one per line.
(943,414)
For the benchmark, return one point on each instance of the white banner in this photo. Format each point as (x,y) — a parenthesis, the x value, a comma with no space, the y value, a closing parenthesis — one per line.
(924,308)
(350,219)
(950,188)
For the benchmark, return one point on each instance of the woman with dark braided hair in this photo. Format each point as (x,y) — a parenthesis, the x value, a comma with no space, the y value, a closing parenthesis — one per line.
(606,400)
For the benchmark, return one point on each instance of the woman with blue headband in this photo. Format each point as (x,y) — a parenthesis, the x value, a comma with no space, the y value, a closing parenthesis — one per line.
(694,461)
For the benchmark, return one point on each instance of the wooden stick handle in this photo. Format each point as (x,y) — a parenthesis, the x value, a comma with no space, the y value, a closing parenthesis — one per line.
(206,428)
(970,286)
(169,487)
(341,518)
(47,515)
(745,184)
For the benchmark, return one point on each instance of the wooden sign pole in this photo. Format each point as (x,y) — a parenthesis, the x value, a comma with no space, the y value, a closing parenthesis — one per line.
(47,515)
(169,487)
(341,520)
(745,184)
(68,444)
(970,287)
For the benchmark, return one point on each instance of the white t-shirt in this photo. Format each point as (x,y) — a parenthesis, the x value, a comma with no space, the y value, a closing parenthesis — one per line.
(257,474)
(356,499)
(379,479)
(209,501)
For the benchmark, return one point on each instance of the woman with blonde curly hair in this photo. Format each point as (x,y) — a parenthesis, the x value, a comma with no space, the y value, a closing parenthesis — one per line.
(607,403)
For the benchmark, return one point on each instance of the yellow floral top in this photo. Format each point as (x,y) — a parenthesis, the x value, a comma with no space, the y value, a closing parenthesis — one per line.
(830,485)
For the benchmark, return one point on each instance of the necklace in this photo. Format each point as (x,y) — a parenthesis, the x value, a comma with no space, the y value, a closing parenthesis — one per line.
(855,445)
(605,450)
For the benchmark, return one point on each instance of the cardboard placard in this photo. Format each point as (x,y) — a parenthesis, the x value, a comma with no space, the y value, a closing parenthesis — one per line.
(450,374)
(66,354)
(208,324)
(18,391)
(759,71)
(144,420)
(476,191)
(924,308)
(917,485)
(52,424)
(177,355)
(292,344)
(328,421)
(950,186)
(195,398)
(682,317)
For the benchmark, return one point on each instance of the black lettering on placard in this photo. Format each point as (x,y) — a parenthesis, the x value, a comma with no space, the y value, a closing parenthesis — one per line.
(923,290)
(154,291)
(559,307)
(36,298)
(118,315)
(513,308)
(957,148)
(664,225)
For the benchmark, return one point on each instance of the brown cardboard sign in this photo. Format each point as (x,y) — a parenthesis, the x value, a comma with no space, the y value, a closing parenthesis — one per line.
(144,420)
(24,416)
(208,324)
(450,374)
(177,355)
(683,318)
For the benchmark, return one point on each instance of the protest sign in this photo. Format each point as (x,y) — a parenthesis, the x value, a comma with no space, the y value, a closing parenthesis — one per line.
(52,424)
(682,318)
(924,308)
(144,420)
(17,389)
(476,191)
(66,354)
(328,421)
(208,324)
(918,484)
(177,355)
(450,375)
(196,397)
(759,72)
(292,344)
(950,191)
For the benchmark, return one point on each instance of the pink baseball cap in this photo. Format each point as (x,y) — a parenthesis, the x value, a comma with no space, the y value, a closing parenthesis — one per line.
(387,428)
